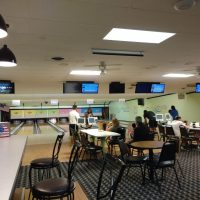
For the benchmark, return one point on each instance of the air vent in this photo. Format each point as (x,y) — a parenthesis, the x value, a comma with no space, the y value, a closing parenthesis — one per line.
(117,52)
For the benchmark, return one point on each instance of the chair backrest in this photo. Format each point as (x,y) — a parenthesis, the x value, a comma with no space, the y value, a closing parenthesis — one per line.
(183,131)
(122,132)
(83,140)
(177,142)
(161,129)
(73,160)
(124,150)
(169,130)
(168,152)
(113,168)
(56,148)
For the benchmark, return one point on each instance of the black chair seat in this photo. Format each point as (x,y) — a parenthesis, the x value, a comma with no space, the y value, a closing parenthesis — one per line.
(130,159)
(163,164)
(54,187)
(44,162)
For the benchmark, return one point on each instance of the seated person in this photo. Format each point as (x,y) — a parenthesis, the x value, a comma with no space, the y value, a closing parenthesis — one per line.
(176,126)
(113,128)
(141,132)
(133,129)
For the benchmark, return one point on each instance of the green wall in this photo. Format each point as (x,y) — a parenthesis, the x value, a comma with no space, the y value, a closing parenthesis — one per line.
(189,107)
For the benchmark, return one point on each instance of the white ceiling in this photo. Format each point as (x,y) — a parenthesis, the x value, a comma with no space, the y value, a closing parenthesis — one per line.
(43,29)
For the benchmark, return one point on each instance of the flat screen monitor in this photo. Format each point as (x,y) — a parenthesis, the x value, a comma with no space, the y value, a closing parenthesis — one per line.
(7,87)
(90,88)
(81,121)
(159,118)
(143,87)
(158,88)
(72,87)
(116,87)
(197,89)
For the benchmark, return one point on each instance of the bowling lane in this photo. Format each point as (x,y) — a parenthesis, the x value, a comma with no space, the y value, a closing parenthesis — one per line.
(47,134)
(26,130)
(47,129)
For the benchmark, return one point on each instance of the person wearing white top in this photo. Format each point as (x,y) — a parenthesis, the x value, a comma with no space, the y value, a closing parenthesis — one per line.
(73,118)
(176,126)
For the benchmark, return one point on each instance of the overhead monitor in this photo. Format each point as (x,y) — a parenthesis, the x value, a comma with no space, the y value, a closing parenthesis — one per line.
(143,87)
(81,121)
(90,88)
(72,87)
(197,89)
(159,117)
(7,87)
(116,87)
(168,117)
(158,88)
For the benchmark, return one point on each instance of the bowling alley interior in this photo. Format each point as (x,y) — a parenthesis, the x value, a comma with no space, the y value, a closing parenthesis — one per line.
(99,99)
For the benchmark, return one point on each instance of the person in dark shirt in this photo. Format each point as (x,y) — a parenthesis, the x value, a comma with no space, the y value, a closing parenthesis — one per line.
(150,119)
(173,112)
(141,132)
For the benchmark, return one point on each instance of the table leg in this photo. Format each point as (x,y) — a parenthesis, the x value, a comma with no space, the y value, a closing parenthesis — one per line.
(151,174)
(103,143)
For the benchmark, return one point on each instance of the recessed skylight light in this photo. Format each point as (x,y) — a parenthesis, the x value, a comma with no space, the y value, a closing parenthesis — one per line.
(178,75)
(85,72)
(130,35)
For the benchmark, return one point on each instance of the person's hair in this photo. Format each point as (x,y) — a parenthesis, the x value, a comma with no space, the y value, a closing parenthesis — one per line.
(133,125)
(115,122)
(74,107)
(89,110)
(178,118)
(138,120)
(173,107)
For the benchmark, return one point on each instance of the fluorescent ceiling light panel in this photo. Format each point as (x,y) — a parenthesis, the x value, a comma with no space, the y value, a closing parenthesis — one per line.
(7,64)
(178,75)
(130,35)
(85,72)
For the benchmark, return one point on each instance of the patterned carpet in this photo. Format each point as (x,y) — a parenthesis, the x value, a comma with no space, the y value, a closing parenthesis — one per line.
(130,187)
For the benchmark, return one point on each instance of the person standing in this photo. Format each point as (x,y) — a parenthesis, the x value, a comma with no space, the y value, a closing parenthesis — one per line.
(87,115)
(73,119)
(173,112)
(150,119)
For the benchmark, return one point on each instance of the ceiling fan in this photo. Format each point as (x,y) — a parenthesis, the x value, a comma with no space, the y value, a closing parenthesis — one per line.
(103,67)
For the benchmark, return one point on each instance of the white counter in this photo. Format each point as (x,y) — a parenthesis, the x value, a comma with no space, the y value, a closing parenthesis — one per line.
(11,152)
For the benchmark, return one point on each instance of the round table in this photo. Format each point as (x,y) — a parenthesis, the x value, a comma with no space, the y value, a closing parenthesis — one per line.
(150,145)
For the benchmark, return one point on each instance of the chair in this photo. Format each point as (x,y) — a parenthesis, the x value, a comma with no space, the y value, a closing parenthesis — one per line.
(114,142)
(112,171)
(186,138)
(129,159)
(89,147)
(167,159)
(177,142)
(58,188)
(44,165)
(162,131)
(169,132)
